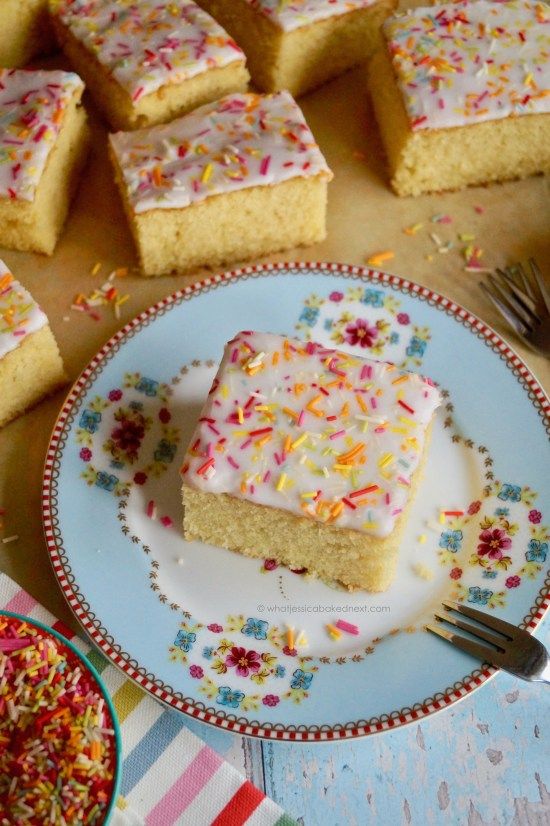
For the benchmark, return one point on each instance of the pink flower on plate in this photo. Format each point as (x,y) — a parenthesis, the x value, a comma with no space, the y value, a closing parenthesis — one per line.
(474,507)
(217,629)
(164,415)
(456,573)
(493,543)
(513,581)
(85,454)
(243,661)
(403,318)
(360,333)
(334,296)
(196,671)
(115,395)
(535,517)
(290,652)
(270,564)
(270,700)
(140,478)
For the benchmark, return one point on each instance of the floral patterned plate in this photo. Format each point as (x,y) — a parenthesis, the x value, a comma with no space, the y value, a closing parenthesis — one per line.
(204,629)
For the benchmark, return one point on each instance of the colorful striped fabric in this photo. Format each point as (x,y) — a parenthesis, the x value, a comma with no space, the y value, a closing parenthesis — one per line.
(169,775)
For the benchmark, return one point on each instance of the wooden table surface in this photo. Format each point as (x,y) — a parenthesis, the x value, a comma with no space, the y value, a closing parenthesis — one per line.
(485,760)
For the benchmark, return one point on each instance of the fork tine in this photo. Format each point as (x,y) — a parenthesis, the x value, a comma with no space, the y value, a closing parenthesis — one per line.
(537,275)
(517,273)
(514,322)
(501,626)
(516,306)
(528,302)
(482,633)
(482,652)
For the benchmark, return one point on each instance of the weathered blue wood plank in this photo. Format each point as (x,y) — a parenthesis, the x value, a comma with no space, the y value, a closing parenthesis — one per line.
(485,761)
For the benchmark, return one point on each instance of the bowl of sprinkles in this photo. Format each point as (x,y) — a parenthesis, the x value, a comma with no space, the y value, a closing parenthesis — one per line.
(60,748)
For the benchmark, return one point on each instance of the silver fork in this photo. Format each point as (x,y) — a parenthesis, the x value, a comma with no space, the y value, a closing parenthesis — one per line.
(510,648)
(524,303)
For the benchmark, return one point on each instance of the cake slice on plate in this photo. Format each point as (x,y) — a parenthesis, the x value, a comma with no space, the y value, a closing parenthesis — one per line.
(461,94)
(30,364)
(309,456)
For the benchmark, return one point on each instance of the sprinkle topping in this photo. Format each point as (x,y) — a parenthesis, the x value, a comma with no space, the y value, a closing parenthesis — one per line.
(32,105)
(464,63)
(240,141)
(293,14)
(147,44)
(57,746)
(20,315)
(266,433)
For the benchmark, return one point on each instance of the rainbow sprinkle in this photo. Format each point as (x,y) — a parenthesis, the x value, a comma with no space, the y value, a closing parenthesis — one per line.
(57,746)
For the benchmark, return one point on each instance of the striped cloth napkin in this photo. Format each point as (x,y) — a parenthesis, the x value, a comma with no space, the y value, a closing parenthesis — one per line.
(169,776)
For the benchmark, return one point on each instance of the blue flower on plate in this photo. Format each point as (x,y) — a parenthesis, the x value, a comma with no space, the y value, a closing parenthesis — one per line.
(208,652)
(478,595)
(301,679)
(228,697)
(328,324)
(165,451)
(185,640)
(256,628)
(489,574)
(417,347)
(116,465)
(502,512)
(394,338)
(280,671)
(105,481)
(451,541)
(90,420)
(148,386)
(510,492)
(373,297)
(537,551)
(309,315)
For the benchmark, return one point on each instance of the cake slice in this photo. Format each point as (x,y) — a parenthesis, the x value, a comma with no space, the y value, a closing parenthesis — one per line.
(30,364)
(309,456)
(236,179)
(301,44)
(44,141)
(25,31)
(461,93)
(146,61)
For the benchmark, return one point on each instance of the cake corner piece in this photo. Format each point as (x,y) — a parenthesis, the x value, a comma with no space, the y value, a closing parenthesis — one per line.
(31,367)
(309,456)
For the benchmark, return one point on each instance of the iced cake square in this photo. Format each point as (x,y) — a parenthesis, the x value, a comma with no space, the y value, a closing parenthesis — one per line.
(236,179)
(147,62)
(309,456)
(461,93)
(30,364)
(300,44)
(44,140)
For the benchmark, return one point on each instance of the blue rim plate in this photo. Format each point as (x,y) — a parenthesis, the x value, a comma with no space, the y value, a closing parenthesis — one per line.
(89,667)
(205,630)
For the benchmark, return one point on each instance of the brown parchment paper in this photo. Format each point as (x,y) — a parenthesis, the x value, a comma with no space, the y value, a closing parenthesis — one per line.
(364,217)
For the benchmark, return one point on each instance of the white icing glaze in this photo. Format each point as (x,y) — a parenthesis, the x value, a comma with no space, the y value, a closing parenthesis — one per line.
(237,142)
(20,315)
(293,14)
(276,429)
(147,44)
(31,109)
(465,62)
